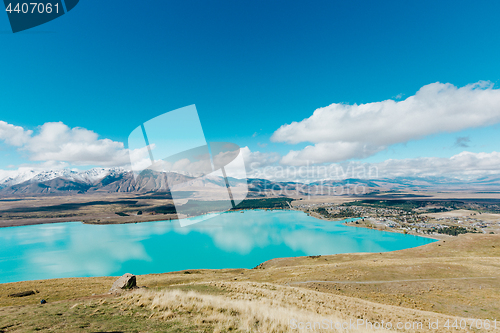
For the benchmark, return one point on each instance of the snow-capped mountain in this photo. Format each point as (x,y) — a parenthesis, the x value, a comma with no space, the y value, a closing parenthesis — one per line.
(10,178)
(97,180)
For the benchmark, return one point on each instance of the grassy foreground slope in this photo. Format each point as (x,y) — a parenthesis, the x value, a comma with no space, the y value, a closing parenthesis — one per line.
(454,278)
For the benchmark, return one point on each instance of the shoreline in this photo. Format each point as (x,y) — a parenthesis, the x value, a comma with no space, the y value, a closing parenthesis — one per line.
(412,233)
(436,237)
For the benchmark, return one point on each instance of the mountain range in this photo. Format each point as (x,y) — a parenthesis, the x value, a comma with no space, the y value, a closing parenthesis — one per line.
(110,180)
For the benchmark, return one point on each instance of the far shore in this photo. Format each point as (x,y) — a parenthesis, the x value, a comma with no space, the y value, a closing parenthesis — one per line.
(107,220)
(98,220)
(106,217)
(91,220)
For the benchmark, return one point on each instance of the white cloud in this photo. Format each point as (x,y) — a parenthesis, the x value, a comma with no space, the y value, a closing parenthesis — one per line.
(464,166)
(340,132)
(256,160)
(329,151)
(79,146)
(14,135)
(56,143)
(460,165)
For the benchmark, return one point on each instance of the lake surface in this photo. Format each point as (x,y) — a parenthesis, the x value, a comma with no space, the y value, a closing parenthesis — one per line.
(230,240)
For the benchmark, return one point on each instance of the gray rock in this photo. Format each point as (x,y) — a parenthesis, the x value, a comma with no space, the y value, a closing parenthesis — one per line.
(127,281)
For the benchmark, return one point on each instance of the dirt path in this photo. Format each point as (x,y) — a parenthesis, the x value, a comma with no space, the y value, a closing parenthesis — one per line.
(392,281)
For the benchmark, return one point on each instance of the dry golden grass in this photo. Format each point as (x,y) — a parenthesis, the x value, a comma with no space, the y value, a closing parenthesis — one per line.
(54,290)
(241,311)
(459,276)
(265,307)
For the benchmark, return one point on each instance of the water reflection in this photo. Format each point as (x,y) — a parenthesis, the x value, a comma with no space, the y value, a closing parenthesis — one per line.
(229,240)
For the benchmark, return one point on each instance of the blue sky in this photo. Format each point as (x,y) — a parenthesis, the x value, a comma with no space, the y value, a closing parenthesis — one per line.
(249,66)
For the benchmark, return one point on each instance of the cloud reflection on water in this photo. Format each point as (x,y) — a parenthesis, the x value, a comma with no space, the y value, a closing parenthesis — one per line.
(231,239)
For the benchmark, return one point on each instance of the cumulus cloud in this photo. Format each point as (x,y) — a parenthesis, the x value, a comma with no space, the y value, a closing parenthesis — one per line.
(56,143)
(330,151)
(14,135)
(256,160)
(79,146)
(461,165)
(465,165)
(343,132)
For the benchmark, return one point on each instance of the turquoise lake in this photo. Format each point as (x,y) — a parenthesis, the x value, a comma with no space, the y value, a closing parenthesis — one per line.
(230,240)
